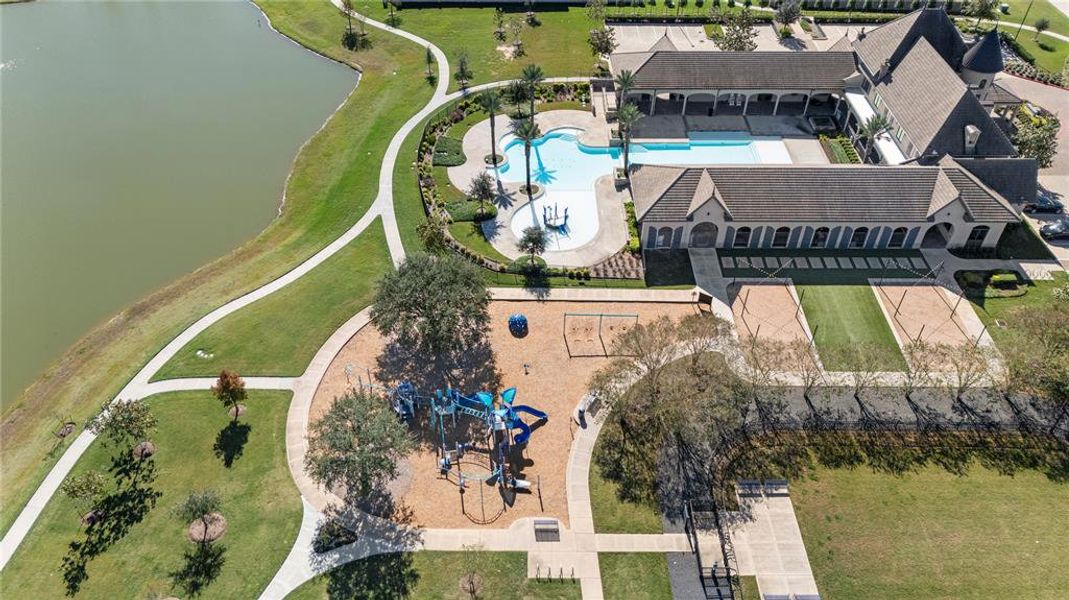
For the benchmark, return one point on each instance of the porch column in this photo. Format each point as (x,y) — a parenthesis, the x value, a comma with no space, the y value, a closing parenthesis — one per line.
(653,103)
(805,110)
(715,98)
(745,104)
(685,96)
(775,107)
(838,101)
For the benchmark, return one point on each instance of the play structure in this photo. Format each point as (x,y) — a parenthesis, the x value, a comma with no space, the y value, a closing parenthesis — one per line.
(518,325)
(553,219)
(497,418)
(593,334)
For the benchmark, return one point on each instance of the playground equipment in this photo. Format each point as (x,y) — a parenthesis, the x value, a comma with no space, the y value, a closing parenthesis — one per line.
(593,334)
(518,325)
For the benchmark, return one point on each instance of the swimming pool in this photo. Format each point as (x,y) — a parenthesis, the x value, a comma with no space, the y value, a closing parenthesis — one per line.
(568,169)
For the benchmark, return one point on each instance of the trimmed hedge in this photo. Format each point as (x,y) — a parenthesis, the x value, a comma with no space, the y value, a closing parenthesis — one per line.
(634,242)
(468,210)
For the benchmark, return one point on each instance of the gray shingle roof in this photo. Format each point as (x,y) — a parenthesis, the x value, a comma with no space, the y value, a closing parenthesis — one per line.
(985,56)
(663,44)
(736,70)
(807,193)
(933,105)
(893,40)
(1013,178)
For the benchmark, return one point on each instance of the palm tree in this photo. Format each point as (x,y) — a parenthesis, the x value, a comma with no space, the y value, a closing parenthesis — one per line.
(531,76)
(526,131)
(625,82)
(873,128)
(627,117)
(490,102)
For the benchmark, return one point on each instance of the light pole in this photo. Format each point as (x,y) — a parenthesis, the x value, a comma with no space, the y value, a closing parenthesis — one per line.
(1023,19)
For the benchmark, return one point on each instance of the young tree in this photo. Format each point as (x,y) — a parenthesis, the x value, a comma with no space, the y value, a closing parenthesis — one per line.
(533,242)
(626,118)
(1037,140)
(1041,25)
(920,362)
(967,367)
(802,361)
(499,24)
(602,41)
(532,76)
(789,11)
(355,446)
(433,303)
(124,422)
(432,232)
(490,102)
(203,506)
(392,19)
(474,559)
(981,9)
(527,131)
(738,33)
(348,38)
(595,11)
(463,74)
(482,190)
(429,57)
(515,28)
(86,490)
(230,390)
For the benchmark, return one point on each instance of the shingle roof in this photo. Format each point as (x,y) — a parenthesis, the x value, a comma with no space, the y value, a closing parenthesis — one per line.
(663,44)
(1013,178)
(806,193)
(892,41)
(736,70)
(933,105)
(985,56)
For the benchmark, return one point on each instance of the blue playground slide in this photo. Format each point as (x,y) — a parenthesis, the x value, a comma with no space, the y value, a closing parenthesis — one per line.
(525,429)
(523,435)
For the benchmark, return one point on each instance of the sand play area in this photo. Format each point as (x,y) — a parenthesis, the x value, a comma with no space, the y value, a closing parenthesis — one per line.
(923,310)
(549,375)
(768,311)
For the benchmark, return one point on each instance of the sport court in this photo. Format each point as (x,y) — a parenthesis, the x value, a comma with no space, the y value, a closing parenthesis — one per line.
(768,310)
(925,312)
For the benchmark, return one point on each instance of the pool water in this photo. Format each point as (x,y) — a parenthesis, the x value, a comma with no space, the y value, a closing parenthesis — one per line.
(568,170)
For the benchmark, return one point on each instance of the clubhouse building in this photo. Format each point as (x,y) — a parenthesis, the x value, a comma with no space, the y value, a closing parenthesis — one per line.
(945,174)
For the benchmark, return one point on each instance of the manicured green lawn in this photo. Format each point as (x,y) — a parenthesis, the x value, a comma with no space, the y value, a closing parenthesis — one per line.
(934,535)
(433,575)
(638,576)
(260,503)
(559,45)
(991,309)
(1040,9)
(334,181)
(842,317)
(613,515)
(750,590)
(279,334)
(470,234)
(1049,52)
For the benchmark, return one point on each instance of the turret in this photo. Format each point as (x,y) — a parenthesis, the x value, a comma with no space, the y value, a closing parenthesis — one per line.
(981,63)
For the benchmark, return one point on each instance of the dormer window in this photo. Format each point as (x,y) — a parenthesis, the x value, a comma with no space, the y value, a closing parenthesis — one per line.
(981,85)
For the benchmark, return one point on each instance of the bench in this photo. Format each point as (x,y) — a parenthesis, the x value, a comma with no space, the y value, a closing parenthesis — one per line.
(776,487)
(749,487)
(547,530)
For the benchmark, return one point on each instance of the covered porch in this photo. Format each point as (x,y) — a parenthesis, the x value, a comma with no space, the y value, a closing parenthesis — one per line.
(732,102)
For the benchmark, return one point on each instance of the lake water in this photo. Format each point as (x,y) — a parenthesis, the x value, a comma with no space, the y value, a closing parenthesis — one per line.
(139,141)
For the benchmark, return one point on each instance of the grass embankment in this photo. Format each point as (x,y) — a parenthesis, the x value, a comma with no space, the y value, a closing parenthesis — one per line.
(261,505)
(559,44)
(334,181)
(998,309)
(637,576)
(932,534)
(844,318)
(425,575)
(279,334)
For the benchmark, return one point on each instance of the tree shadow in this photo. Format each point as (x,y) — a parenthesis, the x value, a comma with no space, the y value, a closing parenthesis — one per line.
(200,568)
(467,367)
(117,513)
(230,442)
(373,578)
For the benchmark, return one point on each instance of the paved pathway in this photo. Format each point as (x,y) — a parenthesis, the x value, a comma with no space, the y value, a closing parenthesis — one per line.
(769,545)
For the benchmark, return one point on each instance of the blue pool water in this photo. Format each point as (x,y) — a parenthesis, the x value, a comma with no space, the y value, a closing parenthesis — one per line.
(568,171)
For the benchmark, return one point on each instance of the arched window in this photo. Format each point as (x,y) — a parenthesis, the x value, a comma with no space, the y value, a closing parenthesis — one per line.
(978,235)
(779,239)
(898,238)
(857,239)
(742,237)
(820,238)
(664,237)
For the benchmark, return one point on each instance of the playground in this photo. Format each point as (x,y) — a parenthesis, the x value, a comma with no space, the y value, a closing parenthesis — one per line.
(924,311)
(769,310)
(549,378)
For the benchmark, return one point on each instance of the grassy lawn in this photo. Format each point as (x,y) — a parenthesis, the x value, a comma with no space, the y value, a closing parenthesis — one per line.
(750,590)
(1049,52)
(260,503)
(843,316)
(559,45)
(471,235)
(934,535)
(279,334)
(613,515)
(668,268)
(991,309)
(427,575)
(335,179)
(1041,9)
(638,576)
